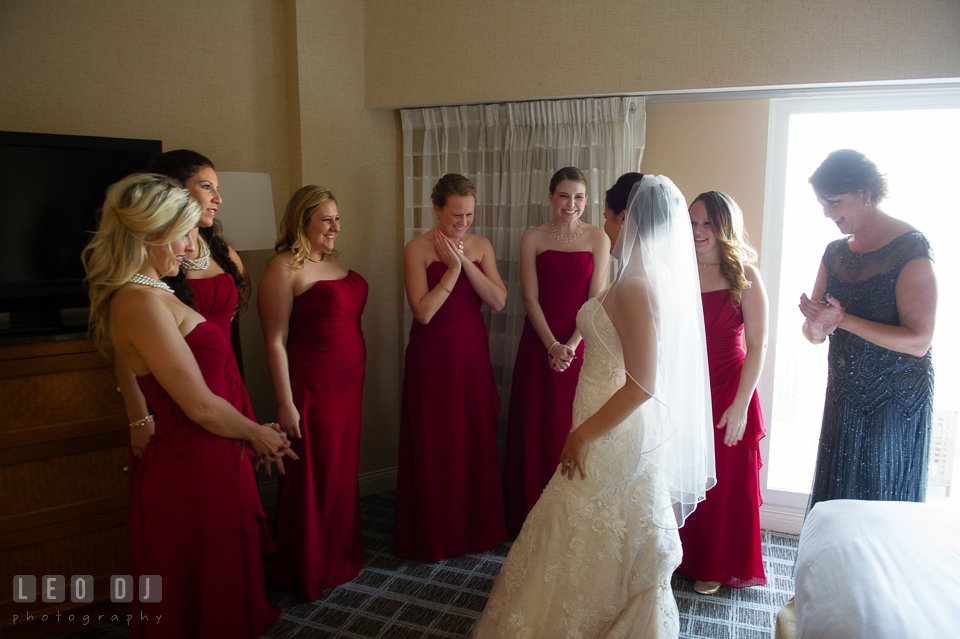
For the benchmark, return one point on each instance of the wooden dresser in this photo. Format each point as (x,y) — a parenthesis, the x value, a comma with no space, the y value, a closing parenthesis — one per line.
(63,492)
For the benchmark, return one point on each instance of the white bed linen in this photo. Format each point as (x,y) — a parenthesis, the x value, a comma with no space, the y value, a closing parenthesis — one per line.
(878,569)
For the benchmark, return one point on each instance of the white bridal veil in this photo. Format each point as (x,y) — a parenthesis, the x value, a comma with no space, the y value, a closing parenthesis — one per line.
(656,242)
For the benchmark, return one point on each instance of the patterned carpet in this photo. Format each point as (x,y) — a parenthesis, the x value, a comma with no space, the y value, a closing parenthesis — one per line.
(406,599)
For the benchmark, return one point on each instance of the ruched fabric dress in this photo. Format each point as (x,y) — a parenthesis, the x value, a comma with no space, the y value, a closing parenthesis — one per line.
(594,559)
(190,520)
(541,399)
(721,538)
(216,299)
(875,437)
(449,491)
(319,533)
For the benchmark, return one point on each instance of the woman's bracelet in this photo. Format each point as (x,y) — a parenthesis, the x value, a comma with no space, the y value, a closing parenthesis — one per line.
(551,347)
(449,292)
(141,421)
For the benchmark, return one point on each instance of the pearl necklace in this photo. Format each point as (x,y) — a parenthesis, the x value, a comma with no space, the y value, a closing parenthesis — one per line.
(143,280)
(201,262)
(566,237)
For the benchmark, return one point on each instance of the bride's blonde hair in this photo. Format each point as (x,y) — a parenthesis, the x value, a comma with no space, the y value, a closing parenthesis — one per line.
(141,210)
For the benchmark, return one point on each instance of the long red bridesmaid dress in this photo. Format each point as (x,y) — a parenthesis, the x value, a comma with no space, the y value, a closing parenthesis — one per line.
(721,539)
(319,533)
(449,491)
(541,399)
(190,520)
(216,299)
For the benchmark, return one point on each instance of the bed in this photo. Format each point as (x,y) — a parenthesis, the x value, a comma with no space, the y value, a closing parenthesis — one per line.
(877,570)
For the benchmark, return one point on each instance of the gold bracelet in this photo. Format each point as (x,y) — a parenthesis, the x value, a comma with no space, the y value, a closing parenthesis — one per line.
(141,421)
(449,292)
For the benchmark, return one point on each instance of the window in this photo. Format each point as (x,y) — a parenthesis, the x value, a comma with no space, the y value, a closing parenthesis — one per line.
(914,138)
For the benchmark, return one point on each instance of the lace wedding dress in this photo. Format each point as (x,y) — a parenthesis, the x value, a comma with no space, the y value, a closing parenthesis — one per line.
(595,557)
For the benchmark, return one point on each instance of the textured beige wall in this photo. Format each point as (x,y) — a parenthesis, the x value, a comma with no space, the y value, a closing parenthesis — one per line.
(712,146)
(453,51)
(354,152)
(201,74)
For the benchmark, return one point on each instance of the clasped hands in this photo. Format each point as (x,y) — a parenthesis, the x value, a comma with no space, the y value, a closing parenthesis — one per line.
(824,317)
(565,354)
(271,445)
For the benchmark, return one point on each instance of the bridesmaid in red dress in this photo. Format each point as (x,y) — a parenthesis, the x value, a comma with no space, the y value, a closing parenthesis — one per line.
(213,281)
(189,521)
(721,539)
(310,311)
(449,491)
(562,264)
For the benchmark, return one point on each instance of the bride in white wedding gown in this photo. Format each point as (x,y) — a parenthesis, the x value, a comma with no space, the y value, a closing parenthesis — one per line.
(595,556)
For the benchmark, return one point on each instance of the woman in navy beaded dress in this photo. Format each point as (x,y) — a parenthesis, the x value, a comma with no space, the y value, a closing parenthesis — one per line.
(875,298)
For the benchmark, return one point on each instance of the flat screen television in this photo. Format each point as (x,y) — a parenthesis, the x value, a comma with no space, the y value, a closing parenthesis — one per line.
(51,190)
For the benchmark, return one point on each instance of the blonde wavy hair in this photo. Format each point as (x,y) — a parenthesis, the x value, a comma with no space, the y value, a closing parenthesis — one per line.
(141,210)
(293,227)
(726,219)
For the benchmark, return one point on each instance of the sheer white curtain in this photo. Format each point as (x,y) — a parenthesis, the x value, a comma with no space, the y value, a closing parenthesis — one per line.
(510,151)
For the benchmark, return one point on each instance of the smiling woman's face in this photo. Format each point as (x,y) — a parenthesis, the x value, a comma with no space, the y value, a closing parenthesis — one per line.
(845,210)
(160,260)
(704,239)
(323,227)
(456,216)
(203,186)
(568,200)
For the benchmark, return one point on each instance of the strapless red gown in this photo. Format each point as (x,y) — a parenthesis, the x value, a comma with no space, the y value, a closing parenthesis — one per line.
(319,533)
(449,491)
(541,399)
(721,539)
(190,520)
(216,299)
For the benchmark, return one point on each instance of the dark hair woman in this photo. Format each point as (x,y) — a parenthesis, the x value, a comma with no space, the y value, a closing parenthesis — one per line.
(598,549)
(875,298)
(562,263)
